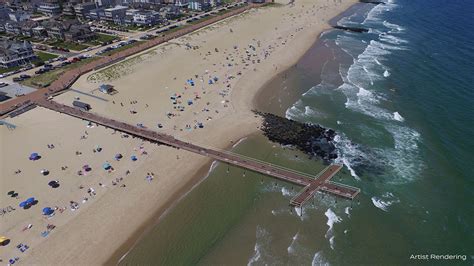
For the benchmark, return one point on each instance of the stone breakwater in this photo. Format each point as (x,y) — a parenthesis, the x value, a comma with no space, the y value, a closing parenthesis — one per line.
(312,139)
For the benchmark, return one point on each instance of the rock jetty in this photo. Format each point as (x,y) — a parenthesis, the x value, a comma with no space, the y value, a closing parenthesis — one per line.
(310,138)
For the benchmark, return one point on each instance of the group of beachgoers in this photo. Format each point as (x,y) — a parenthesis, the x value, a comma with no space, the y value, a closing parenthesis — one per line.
(90,191)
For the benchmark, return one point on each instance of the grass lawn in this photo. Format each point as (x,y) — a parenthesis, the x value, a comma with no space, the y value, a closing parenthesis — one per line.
(69,45)
(42,56)
(102,38)
(5,70)
(47,78)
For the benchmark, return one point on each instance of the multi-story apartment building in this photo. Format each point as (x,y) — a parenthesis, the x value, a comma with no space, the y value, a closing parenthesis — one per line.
(15,53)
(49,8)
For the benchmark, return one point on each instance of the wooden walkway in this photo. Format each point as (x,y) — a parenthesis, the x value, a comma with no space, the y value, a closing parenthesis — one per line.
(311,184)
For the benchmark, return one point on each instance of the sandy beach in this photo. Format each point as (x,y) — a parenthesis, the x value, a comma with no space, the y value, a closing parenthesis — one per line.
(199,88)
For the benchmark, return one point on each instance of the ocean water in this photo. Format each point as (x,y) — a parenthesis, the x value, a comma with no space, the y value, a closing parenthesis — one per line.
(401,99)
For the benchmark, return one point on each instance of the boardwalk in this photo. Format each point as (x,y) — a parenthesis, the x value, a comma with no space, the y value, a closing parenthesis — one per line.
(70,76)
(309,182)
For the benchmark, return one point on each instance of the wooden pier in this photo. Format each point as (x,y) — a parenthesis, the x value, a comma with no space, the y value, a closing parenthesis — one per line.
(311,184)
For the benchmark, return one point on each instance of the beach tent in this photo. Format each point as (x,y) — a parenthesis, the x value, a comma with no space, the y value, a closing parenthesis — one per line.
(23,204)
(190,102)
(48,211)
(134,158)
(34,156)
(106,166)
(210,81)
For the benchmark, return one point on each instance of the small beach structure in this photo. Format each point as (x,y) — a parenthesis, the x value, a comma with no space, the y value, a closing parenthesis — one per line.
(106,88)
(82,105)
(34,156)
(133,158)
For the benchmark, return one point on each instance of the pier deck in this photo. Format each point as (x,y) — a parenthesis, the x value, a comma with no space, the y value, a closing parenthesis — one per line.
(310,183)
(322,182)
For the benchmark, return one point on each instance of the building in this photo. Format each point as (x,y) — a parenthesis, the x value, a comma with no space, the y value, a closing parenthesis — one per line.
(39,32)
(79,33)
(199,5)
(181,3)
(4,13)
(19,16)
(104,3)
(15,53)
(68,10)
(145,18)
(13,28)
(97,14)
(70,30)
(27,27)
(82,10)
(170,12)
(49,9)
(116,14)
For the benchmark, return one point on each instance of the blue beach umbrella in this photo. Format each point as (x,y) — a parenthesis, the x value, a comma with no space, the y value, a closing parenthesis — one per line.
(30,200)
(48,211)
(134,158)
(34,156)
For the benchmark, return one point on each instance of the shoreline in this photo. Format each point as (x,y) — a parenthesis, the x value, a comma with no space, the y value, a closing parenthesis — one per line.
(258,98)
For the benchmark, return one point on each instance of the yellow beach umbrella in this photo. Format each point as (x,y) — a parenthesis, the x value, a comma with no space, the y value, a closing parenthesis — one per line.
(4,241)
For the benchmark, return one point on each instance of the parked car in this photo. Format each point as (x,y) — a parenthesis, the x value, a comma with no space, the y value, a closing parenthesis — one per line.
(17,79)
(3,84)
(25,76)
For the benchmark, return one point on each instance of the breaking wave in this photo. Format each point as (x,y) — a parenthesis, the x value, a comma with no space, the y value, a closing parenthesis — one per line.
(385,201)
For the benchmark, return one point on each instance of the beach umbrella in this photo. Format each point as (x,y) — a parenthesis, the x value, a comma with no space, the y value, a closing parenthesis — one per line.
(30,200)
(118,156)
(48,211)
(86,168)
(23,204)
(14,195)
(11,192)
(53,184)
(106,166)
(134,158)
(34,156)
(44,172)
